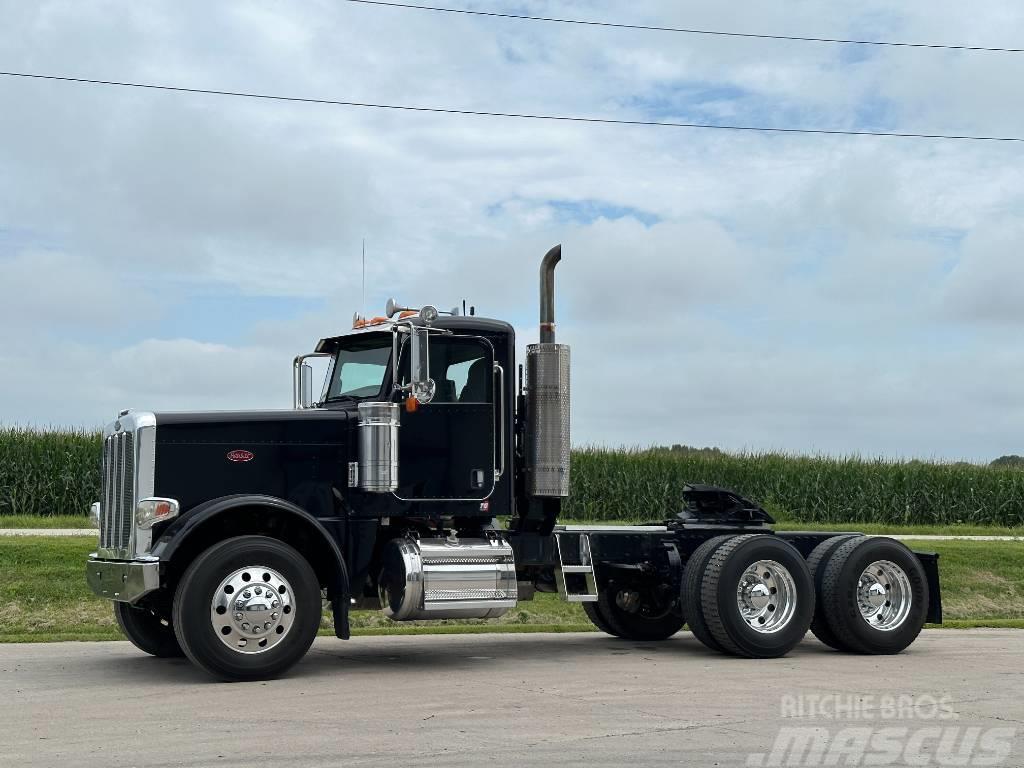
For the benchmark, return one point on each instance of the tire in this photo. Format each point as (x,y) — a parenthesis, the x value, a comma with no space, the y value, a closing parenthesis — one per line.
(693,577)
(597,618)
(768,619)
(147,631)
(226,646)
(902,585)
(646,624)
(816,563)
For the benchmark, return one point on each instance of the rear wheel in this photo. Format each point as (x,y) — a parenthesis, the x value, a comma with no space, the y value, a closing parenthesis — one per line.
(147,631)
(875,595)
(632,615)
(247,608)
(757,595)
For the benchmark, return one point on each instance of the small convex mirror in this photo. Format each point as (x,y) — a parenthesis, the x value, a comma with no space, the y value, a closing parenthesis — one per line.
(421,385)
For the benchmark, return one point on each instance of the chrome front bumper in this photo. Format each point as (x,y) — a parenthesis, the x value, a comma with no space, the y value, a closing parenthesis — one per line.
(124,581)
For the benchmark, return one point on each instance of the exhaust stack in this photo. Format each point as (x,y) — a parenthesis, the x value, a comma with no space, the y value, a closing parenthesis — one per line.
(547,294)
(547,370)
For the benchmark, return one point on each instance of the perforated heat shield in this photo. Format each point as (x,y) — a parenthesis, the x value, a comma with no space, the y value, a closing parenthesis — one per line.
(547,371)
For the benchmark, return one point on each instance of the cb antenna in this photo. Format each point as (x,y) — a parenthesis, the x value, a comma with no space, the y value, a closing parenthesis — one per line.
(364,278)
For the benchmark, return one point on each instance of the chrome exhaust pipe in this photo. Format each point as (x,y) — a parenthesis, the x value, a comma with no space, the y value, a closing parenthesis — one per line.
(547,294)
(547,375)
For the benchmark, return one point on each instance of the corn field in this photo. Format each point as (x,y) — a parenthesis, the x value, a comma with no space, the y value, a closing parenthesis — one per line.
(647,485)
(49,473)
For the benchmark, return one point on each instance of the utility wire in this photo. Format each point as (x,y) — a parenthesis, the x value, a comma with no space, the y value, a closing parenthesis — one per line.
(516,115)
(685,30)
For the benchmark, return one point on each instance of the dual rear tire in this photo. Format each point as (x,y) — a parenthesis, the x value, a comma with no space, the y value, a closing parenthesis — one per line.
(748,595)
(872,595)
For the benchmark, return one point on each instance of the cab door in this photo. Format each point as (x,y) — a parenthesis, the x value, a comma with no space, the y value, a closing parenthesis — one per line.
(446,448)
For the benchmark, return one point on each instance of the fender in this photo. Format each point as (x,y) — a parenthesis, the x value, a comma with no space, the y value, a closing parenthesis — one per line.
(180,530)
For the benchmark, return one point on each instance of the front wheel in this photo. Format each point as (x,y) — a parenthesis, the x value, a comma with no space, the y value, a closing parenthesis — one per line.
(247,608)
(147,631)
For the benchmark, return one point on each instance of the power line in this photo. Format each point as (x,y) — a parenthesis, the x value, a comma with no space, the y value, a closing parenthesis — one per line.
(684,30)
(515,115)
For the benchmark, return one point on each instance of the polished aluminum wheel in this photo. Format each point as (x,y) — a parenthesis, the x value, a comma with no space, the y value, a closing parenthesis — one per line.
(884,595)
(766,596)
(252,609)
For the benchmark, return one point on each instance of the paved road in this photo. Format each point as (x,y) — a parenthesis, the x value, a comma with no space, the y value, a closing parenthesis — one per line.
(505,700)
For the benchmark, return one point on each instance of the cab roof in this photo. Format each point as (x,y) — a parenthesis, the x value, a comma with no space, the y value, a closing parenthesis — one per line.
(483,326)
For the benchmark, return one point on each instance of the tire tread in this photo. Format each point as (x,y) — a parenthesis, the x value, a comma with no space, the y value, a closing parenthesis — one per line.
(693,577)
(817,561)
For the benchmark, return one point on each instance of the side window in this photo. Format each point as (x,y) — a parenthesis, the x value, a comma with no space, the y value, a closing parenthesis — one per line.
(461,368)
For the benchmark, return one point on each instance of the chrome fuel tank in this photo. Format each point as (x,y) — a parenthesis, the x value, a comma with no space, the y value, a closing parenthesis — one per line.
(447,579)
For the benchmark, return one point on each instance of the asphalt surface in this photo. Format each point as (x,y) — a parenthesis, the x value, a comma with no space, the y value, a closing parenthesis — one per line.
(517,700)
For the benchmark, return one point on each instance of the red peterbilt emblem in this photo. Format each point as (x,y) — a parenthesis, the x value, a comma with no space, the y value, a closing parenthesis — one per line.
(240,455)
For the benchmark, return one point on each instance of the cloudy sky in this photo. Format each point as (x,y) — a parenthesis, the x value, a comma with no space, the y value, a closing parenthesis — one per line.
(750,291)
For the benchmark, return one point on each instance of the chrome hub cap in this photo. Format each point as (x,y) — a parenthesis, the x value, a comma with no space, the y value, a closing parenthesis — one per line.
(766,596)
(252,609)
(884,595)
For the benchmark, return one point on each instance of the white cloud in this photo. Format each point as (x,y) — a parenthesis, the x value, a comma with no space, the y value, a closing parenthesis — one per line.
(719,288)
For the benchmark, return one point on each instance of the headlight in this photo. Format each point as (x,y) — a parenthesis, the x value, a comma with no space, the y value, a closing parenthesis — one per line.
(94,515)
(155,510)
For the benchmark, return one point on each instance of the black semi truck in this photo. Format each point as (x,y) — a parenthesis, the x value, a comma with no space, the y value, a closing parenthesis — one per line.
(426,481)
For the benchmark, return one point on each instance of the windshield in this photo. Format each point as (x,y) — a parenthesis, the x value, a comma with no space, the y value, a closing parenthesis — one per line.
(360,369)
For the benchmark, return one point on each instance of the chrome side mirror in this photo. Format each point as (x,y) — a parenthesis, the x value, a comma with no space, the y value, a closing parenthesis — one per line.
(305,385)
(302,381)
(421,385)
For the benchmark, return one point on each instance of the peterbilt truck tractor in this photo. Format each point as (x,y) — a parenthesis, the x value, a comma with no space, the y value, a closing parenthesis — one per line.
(425,480)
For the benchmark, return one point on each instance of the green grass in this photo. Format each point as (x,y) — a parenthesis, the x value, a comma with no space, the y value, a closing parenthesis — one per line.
(44,521)
(43,595)
(980,579)
(57,473)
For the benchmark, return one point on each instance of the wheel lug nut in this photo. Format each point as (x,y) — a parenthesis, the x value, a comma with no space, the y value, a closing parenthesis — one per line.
(245,625)
(274,604)
(258,590)
(273,616)
(267,625)
(256,628)
(239,617)
(247,594)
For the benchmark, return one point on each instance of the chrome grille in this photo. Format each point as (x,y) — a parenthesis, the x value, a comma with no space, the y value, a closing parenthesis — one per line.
(117,503)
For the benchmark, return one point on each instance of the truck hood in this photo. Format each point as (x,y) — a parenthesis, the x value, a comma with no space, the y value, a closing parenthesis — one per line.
(287,454)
